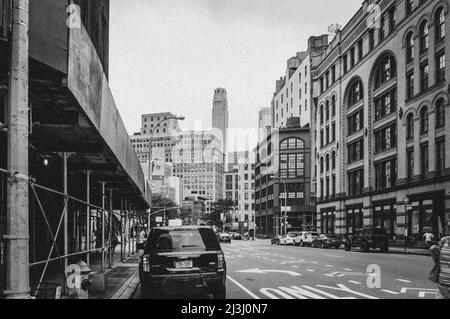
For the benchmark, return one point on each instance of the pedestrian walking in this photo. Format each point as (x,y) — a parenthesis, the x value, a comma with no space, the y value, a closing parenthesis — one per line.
(429,237)
(441,271)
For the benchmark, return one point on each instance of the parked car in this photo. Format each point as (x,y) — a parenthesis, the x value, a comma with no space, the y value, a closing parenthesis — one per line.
(237,236)
(224,238)
(287,239)
(368,238)
(275,240)
(182,261)
(327,241)
(305,238)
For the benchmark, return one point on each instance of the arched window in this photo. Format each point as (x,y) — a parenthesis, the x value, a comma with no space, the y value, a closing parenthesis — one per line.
(328,162)
(423,36)
(292,144)
(410,126)
(440,25)
(355,93)
(333,160)
(440,113)
(333,106)
(385,71)
(424,121)
(327,110)
(321,114)
(321,164)
(409,47)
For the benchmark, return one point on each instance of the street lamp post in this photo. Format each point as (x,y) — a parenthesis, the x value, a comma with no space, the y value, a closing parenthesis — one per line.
(150,147)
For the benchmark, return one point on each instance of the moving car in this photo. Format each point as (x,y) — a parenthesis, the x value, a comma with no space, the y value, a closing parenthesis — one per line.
(225,238)
(368,238)
(327,241)
(305,238)
(182,261)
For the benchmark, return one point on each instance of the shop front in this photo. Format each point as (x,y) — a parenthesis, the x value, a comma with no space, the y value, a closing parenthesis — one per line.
(354,218)
(427,214)
(327,221)
(384,216)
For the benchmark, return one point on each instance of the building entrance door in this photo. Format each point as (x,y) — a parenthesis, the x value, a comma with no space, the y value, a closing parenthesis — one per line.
(427,214)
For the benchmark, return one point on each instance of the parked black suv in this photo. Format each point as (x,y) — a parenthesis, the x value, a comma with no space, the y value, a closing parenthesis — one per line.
(182,261)
(368,238)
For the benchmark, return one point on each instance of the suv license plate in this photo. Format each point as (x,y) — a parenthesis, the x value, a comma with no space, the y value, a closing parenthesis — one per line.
(184,264)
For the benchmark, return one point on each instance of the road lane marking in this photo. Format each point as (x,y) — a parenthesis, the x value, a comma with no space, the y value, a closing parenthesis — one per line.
(310,270)
(348,269)
(326,294)
(354,282)
(403,280)
(344,288)
(330,266)
(243,288)
(335,256)
(265,271)
(294,266)
(390,292)
(267,292)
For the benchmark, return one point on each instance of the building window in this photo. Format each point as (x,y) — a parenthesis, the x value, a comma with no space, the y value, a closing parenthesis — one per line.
(355,151)
(385,174)
(333,160)
(333,74)
(327,161)
(333,106)
(391,19)
(440,156)
(424,72)
(360,50)
(424,121)
(321,189)
(355,122)
(352,57)
(292,144)
(292,165)
(440,25)
(410,163)
(409,6)
(409,47)
(354,219)
(381,30)
(423,36)
(386,138)
(321,114)
(355,182)
(333,186)
(424,159)
(344,60)
(386,105)
(321,165)
(386,70)
(321,138)
(355,93)
(333,132)
(440,113)
(327,111)
(410,126)
(410,85)
(371,39)
(440,68)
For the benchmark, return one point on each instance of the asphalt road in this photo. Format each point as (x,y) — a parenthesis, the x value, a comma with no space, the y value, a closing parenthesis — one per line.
(258,270)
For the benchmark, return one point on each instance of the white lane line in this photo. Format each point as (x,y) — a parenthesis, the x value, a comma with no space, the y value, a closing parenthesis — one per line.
(354,282)
(403,280)
(390,292)
(333,256)
(330,266)
(348,269)
(310,270)
(243,288)
(314,262)
(295,266)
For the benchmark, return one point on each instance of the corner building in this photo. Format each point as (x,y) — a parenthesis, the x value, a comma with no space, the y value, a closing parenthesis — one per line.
(382,122)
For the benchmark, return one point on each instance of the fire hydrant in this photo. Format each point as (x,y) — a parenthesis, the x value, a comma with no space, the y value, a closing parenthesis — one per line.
(85,281)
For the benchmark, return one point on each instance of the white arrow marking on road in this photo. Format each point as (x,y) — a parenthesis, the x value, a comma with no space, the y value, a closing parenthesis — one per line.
(423,293)
(263,271)
(404,289)
(403,280)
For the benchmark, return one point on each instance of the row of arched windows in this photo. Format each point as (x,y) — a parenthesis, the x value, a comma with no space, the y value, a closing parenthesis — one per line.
(424,119)
(439,22)
(325,112)
(326,161)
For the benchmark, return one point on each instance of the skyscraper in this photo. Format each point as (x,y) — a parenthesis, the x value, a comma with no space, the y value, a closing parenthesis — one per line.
(220,115)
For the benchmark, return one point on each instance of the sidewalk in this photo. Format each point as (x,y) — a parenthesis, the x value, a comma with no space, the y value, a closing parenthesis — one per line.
(122,280)
(409,251)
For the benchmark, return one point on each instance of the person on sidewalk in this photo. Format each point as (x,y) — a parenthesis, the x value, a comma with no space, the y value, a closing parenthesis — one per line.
(441,271)
(429,237)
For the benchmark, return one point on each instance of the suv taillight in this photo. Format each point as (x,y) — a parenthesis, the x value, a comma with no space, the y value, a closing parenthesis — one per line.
(145,263)
(220,260)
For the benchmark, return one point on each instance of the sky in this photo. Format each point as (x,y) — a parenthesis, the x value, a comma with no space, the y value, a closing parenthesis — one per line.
(170,55)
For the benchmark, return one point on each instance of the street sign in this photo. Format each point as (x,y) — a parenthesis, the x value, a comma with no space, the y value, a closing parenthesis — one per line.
(159,219)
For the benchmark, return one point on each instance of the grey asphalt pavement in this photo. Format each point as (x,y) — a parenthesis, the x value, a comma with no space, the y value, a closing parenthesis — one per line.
(258,270)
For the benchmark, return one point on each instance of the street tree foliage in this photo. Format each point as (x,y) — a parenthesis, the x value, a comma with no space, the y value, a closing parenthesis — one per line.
(159,202)
(222,206)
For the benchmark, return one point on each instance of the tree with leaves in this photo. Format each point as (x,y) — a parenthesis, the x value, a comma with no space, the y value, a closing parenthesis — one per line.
(222,207)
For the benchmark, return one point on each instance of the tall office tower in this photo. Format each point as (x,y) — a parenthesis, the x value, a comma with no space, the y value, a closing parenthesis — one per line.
(220,115)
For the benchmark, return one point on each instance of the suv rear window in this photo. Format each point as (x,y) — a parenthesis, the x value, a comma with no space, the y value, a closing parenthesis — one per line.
(180,239)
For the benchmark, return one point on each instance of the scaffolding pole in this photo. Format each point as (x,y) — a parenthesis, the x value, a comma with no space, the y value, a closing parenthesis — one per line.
(121,230)
(17,258)
(88,217)
(103,226)
(66,213)
(110,235)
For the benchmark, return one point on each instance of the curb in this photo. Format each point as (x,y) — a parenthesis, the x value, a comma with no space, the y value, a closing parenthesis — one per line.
(127,290)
